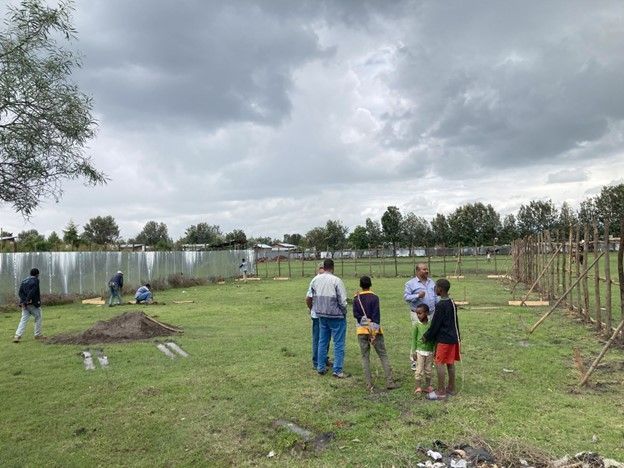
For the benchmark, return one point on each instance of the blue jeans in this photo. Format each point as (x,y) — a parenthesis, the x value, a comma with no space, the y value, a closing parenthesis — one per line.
(115,294)
(146,296)
(315,341)
(27,311)
(336,329)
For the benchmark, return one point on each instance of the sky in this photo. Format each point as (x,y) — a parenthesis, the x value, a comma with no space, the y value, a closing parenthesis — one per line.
(275,116)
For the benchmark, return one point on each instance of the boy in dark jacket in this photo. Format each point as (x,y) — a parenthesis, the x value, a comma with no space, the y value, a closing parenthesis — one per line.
(444,332)
(368,316)
(30,302)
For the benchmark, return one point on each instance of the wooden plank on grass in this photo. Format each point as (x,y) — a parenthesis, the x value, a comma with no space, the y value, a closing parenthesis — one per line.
(252,278)
(529,303)
(184,302)
(281,278)
(462,303)
(498,276)
(456,276)
(94,301)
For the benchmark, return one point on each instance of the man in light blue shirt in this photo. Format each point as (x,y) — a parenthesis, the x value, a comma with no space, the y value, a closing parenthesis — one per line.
(420,290)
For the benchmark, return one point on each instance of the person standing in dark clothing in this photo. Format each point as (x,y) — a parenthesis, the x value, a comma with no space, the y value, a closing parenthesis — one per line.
(30,302)
(444,332)
(115,285)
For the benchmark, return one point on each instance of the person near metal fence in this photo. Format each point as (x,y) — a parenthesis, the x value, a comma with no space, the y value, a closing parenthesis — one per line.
(30,302)
(115,284)
(144,294)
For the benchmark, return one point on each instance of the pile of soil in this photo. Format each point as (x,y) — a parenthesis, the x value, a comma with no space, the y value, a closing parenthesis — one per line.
(130,326)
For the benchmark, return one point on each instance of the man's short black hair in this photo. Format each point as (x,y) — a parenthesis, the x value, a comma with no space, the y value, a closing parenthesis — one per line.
(443,284)
(365,282)
(423,306)
(34,272)
(328,264)
(147,285)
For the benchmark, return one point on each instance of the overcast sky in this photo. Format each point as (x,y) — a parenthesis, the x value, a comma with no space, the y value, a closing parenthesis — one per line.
(274,116)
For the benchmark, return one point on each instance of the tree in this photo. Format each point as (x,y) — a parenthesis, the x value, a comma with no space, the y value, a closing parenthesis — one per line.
(358,239)
(567,218)
(610,206)
(441,233)
(416,230)
(474,223)
(154,234)
(537,216)
(336,235)
(294,239)
(392,221)
(509,232)
(54,241)
(45,121)
(237,235)
(101,230)
(70,234)
(375,234)
(203,233)
(317,238)
(31,241)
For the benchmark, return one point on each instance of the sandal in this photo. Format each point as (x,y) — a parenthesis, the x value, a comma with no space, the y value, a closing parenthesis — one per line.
(435,396)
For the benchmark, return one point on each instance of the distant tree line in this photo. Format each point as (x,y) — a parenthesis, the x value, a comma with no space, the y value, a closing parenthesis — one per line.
(468,225)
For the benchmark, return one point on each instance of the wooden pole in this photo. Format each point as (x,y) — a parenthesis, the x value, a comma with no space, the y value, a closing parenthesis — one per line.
(540,275)
(302,263)
(597,280)
(538,323)
(476,259)
(578,268)
(608,314)
(444,258)
(585,278)
(607,345)
(370,262)
(621,269)
(355,262)
(563,264)
(569,273)
(289,271)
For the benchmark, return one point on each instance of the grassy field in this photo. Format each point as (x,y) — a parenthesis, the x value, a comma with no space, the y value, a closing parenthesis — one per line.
(249,366)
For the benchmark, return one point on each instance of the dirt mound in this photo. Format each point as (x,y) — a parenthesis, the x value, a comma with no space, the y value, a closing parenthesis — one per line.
(130,326)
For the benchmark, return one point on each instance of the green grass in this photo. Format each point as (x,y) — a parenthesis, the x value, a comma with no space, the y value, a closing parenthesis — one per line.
(250,365)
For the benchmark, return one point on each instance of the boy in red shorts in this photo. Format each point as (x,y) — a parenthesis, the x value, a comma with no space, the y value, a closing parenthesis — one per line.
(444,332)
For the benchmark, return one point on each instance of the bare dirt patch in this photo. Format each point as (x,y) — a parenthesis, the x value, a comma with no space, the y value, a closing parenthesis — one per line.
(130,326)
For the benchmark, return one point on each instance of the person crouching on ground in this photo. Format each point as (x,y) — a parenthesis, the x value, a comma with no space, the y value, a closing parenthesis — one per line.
(367,313)
(144,294)
(423,352)
(444,332)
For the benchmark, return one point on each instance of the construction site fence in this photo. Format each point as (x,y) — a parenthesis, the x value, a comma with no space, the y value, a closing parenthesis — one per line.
(89,272)
(579,267)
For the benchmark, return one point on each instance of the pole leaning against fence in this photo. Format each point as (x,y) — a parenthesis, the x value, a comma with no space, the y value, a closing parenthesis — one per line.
(545,316)
(540,275)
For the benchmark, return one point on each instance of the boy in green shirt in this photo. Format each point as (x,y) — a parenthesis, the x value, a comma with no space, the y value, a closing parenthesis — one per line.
(423,352)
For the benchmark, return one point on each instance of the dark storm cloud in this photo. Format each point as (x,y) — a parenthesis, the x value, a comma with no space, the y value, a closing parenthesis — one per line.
(190,63)
(506,85)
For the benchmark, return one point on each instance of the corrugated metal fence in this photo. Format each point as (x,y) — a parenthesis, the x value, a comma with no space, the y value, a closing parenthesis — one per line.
(88,272)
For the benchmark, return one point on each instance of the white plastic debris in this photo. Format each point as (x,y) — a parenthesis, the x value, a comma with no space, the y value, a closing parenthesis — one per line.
(271,454)
(458,464)
(434,455)
(509,371)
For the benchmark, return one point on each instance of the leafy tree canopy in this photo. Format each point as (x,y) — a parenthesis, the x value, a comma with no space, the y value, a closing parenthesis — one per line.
(45,120)
(101,230)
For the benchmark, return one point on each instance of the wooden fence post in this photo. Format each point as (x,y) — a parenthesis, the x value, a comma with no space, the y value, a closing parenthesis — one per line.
(537,324)
(597,280)
(578,268)
(585,278)
(540,276)
(608,314)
